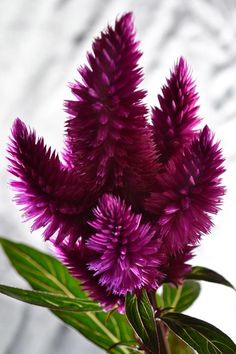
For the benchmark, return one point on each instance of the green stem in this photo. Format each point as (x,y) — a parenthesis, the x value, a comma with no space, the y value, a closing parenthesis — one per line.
(161,331)
(177,297)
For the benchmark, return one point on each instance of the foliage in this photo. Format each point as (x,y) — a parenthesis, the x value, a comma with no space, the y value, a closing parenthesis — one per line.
(54,288)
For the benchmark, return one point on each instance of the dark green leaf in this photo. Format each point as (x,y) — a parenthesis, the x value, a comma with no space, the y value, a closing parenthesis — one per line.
(50,300)
(182,297)
(177,345)
(200,335)
(141,317)
(201,273)
(45,273)
(133,315)
(148,317)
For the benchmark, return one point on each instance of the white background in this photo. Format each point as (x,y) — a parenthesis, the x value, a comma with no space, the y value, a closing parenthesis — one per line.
(41,45)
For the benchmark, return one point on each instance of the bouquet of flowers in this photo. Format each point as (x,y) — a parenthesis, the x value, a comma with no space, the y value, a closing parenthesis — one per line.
(123,209)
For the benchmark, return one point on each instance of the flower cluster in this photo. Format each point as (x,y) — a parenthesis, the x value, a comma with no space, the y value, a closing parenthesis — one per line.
(130,200)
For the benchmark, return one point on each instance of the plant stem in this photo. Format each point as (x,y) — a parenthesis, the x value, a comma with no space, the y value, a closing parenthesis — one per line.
(177,297)
(161,331)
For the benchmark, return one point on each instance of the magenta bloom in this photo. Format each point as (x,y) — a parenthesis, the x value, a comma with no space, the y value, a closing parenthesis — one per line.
(125,251)
(175,121)
(131,200)
(189,192)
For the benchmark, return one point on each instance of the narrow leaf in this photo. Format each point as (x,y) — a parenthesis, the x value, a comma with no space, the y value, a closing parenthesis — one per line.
(148,318)
(201,273)
(181,298)
(133,315)
(200,335)
(141,317)
(105,334)
(45,273)
(42,271)
(50,300)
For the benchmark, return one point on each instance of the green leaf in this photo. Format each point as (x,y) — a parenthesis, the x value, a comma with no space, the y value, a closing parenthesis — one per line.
(42,271)
(50,300)
(201,273)
(105,334)
(177,345)
(181,298)
(200,335)
(141,317)
(46,274)
(159,300)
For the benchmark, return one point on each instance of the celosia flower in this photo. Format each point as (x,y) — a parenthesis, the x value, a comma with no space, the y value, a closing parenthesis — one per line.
(125,251)
(107,136)
(131,200)
(189,192)
(176,120)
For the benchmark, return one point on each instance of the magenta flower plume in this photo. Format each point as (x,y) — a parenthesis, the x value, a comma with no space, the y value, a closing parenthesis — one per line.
(131,200)
(174,123)
(107,134)
(121,256)
(190,192)
(126,251)
(49,194)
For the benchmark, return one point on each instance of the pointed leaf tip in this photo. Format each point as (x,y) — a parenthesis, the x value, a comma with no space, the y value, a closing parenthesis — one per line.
(205,274)
(200,335)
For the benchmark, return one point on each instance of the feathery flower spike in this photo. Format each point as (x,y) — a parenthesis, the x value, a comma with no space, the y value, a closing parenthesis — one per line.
(174,123)
(49,194)
(190,192)
(108,138)
(126,251)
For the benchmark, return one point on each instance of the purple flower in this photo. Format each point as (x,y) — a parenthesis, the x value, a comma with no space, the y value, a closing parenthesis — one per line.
(51,195)
(122,255)
(125,250)
(132,200)
(189,193)
(107,138)
(175,121)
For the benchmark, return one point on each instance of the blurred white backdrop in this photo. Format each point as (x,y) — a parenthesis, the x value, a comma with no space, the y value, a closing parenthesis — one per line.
(41,45)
